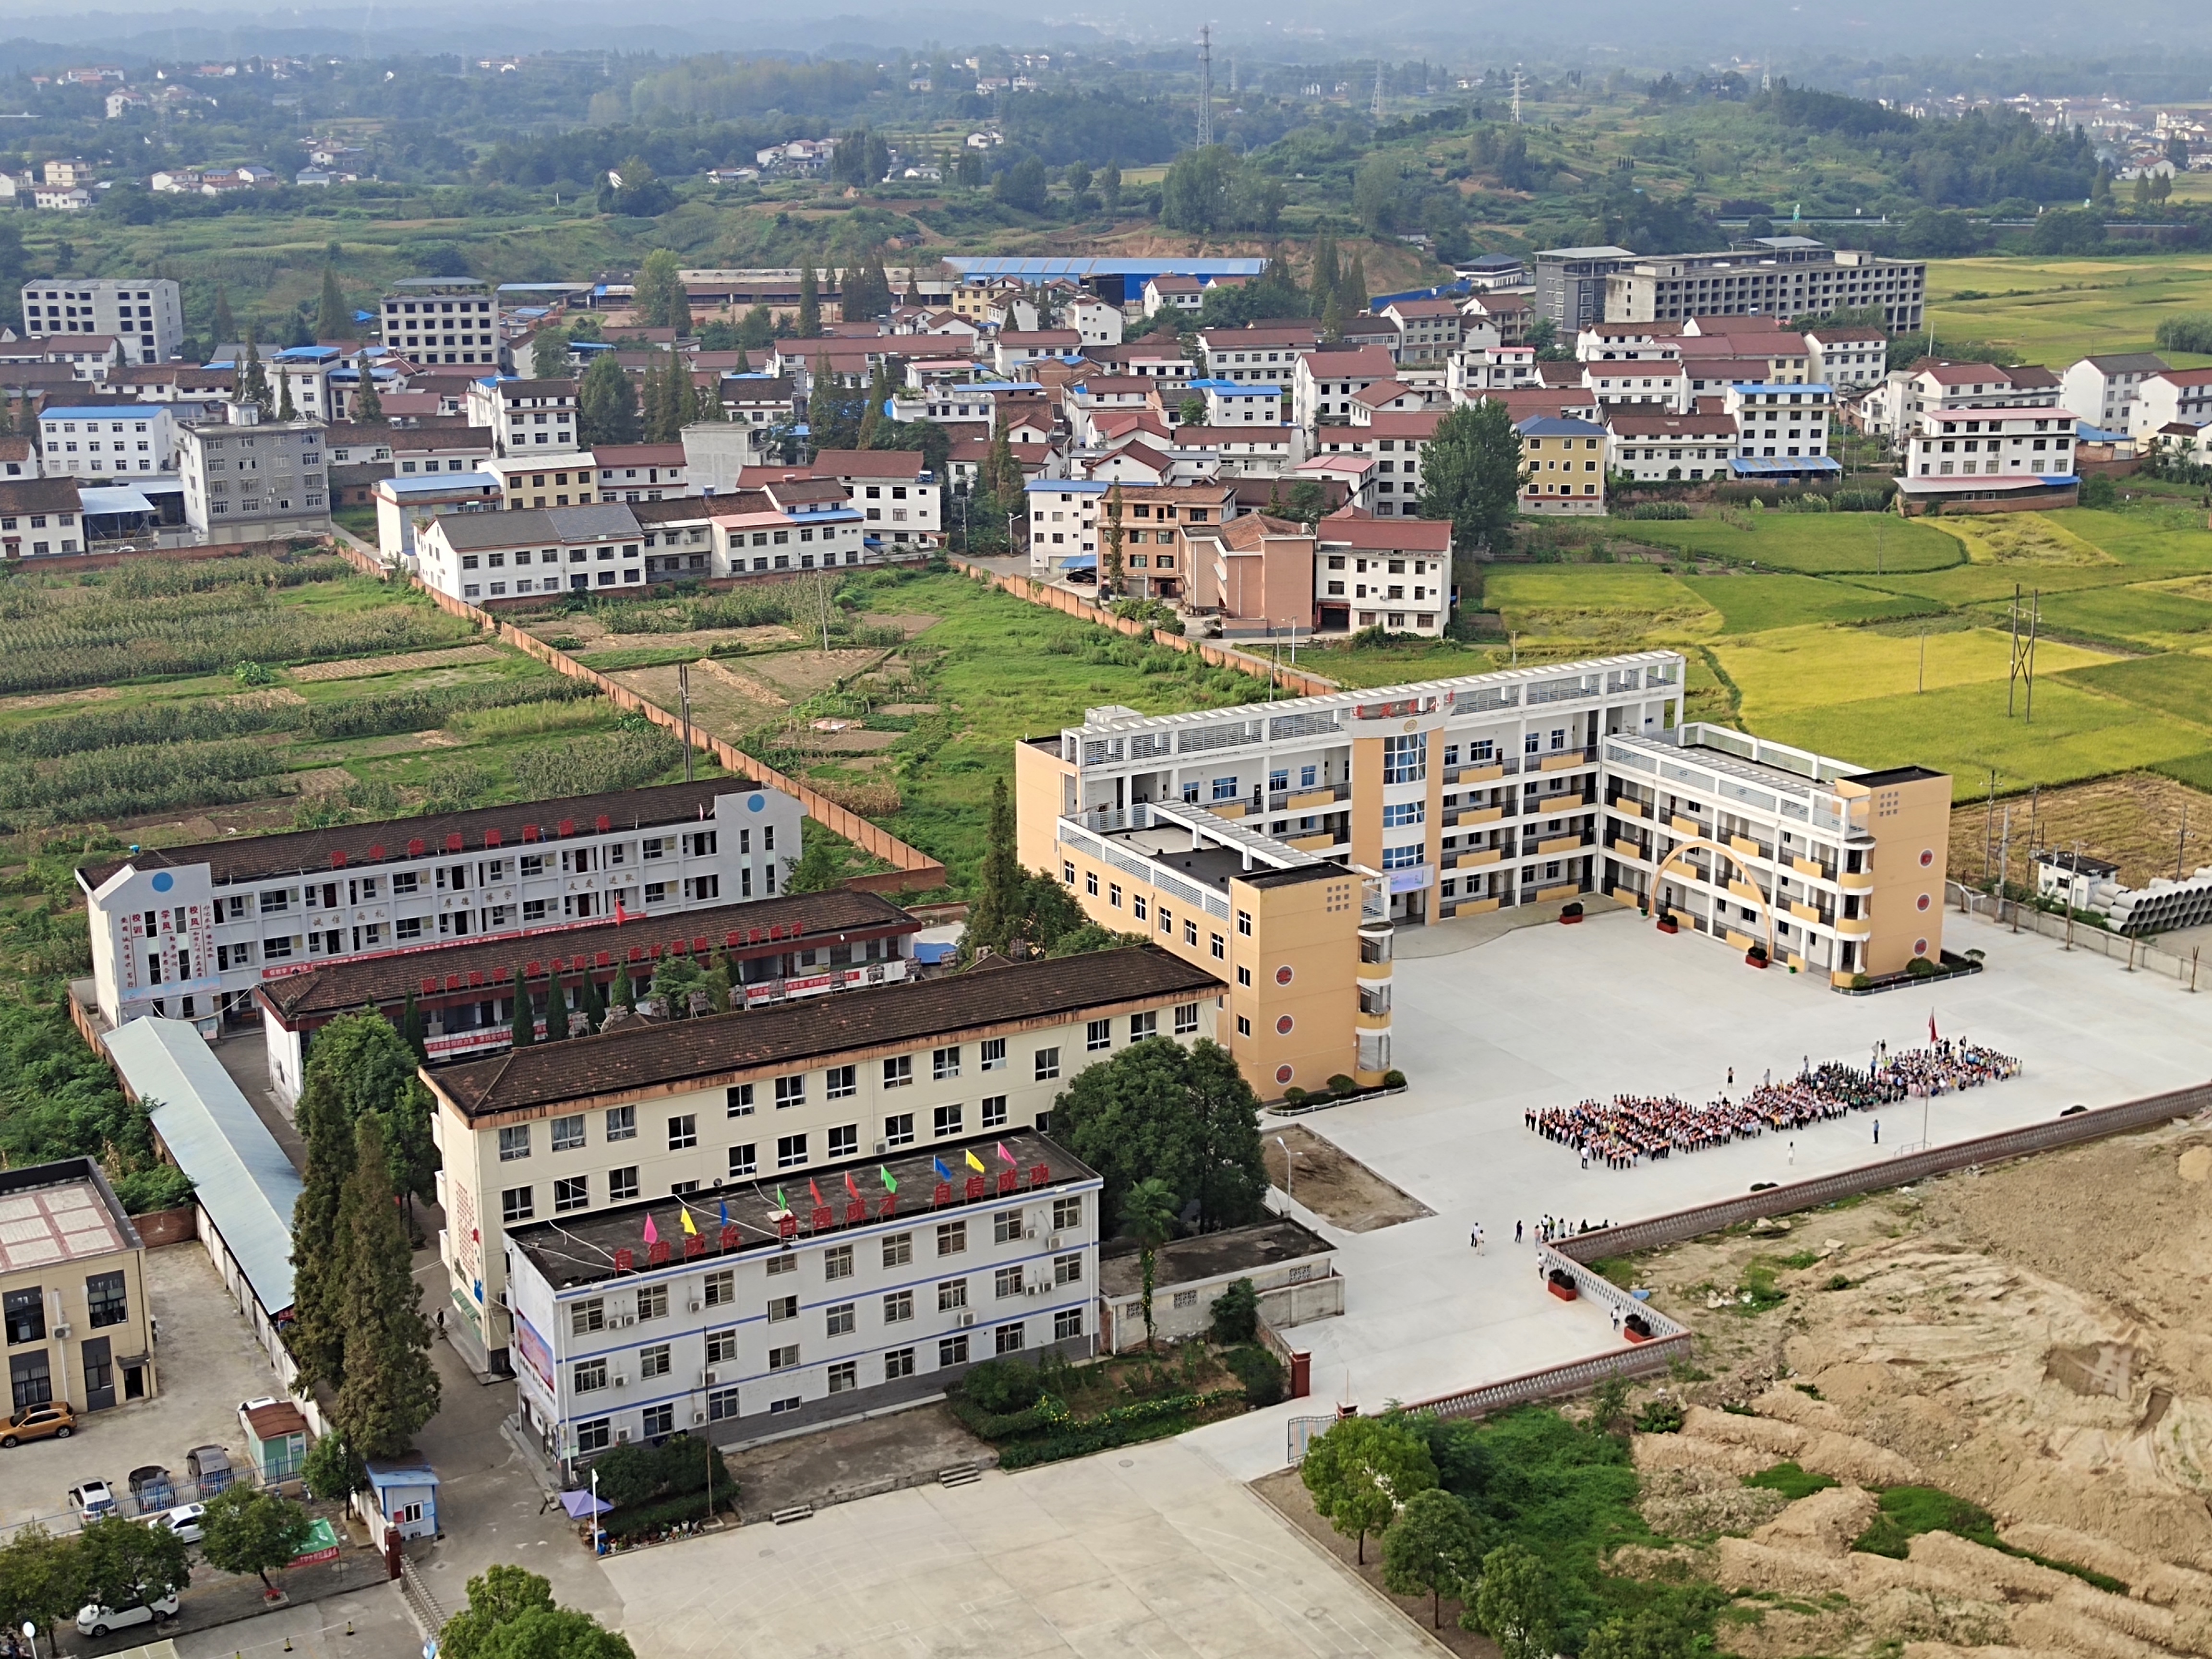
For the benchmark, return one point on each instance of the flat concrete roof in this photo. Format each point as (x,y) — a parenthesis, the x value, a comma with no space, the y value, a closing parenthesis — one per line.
(1208,1255)
(66,1221)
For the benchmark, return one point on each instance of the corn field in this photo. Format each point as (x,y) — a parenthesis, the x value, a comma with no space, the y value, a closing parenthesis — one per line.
(104,784)
(596,765)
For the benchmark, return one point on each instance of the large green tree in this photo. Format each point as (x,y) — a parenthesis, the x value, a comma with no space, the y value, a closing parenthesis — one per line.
(1517,1606)
(511,1615)
(253,1529)
(659,301)
(606,404)
(1184,1115)
(333,317)
(1434,1548)
(318,1255)
(1148,1215)
(39,1580)
(1361,1471)
(809,322)
(122,1564)
(1471,474)
(390,1388)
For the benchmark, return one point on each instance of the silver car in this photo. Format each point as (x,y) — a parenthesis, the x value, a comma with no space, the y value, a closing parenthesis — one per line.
(183,1521)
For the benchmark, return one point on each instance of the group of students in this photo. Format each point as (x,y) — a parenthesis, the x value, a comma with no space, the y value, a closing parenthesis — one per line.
(1619,1131)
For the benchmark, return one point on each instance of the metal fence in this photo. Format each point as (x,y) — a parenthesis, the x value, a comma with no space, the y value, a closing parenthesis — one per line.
(131,1505)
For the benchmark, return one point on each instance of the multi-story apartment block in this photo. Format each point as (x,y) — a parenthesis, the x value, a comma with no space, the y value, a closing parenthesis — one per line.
(796,524)
(470,555)
(1849,359)
(1562,465)
(442,320)
(1992,443)
(1654,448)
(250,479)
(1482,369)
(1398,442)
(1770,275)
(1266,353)
(106,441)
(40,516)
(191,932)
(535,419)
(2175,396)
(1570,286)
(2103,390)
(895,493)
(735,1106)
(145,315)
(1327,378)
(1823,865)
(73,1284)
(1240,402)
(1387,573)
(642,472)
(775,949)
(748,1316)
(1065,514)
(534,481)
(1276,845)
(1785,425)
(1429,331)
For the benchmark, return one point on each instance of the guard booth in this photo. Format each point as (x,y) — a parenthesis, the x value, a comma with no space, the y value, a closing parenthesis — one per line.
(405,1490)
(276,1440)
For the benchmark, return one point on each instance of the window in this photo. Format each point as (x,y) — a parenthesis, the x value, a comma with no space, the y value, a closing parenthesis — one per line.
(790,1091)
(840,1320)
(106,1300)
(1143,1025)
(1396,817)
(995,1111)
(944,1063)
(653,1361)
(622,1184)
(951,1237)
(683,1133)
(1068,1269)
(1098,1034)
(899,1073)
(994,1054)
(1048,1065)
(1243,1026)
(1405,758)
(1185,1018)
(838,1263)
(1067,1322)
(593,1435)
(572,1193)
(784,1359)
(951,1351)
(951,1295)
(722,1288)
(586,1318)
(840,1082)
(947,1121)
(590,1376)
(1009,1338)
(898,1250)
(1218,947)
(513,1143)
(721,1348)
(515,1205)
(1006,1227)
(845,1377)
(1006,1282)
(790,1151)
(744,1159)
(621,1122)
(740,1099)
(844,1141)
(898,1363)
(1066,1213)
(781,1308)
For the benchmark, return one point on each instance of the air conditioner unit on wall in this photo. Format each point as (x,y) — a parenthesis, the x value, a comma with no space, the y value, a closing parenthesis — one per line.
(966,1320)
(708,1379)
(697,1307)
(698,1417)
(621,1436)
(620,1381)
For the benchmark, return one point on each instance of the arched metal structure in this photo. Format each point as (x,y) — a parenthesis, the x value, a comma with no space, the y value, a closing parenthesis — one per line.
(1735,859)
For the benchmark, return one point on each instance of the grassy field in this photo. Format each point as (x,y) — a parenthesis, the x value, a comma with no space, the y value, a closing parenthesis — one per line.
(2053,311)
(1752,603)
(1788,670)
(1822,544)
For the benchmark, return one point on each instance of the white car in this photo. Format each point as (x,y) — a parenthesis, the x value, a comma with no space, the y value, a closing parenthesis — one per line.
(183,1521)
(93,1500)
(96,1621)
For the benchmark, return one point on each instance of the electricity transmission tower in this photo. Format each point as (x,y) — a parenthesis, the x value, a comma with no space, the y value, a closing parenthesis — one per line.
(1205,85)
(1520,83)
(1375,109)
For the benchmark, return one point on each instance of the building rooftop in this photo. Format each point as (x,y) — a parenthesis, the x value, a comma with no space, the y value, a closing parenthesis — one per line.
(60,1212)
(1208,1255)
(370,981)
(1735,755)
(299,852)
(696,1053)
(743,1217)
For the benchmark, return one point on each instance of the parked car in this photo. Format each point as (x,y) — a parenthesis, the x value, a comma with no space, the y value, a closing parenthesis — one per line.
(93,1500)
(55,1421)
(210,1467)
(150,1488)
(183,1521)
(93,1619)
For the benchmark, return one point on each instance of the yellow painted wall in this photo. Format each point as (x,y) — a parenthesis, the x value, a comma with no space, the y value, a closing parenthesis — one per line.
(1364,806)
(1912,824)
(1310,931)
(1040,780)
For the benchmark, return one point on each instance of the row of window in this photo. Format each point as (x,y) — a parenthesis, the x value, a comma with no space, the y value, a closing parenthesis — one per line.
(24,1310)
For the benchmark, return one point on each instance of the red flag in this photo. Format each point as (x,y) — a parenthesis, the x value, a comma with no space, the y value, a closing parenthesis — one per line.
(815,1190)
(1931,1025)
(851,1185)
(621,915)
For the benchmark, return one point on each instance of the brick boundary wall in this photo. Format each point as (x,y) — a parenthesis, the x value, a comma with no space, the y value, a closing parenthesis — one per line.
(1650,1358)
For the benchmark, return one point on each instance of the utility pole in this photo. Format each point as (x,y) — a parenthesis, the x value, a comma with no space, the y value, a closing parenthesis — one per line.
(2004,872)
(2073,876)
(1989,827)
(1205,85)
(2182,843)
(683,690)
(1923,688)
(2034,629)
(2012,666)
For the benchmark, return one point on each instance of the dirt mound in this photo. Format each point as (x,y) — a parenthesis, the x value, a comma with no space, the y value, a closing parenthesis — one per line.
(1946,1651)
(2153,1580)
(1824,1523)
(1654,1452)
(1699,1503)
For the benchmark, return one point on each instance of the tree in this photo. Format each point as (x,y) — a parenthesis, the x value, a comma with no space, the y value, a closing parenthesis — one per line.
(1148,1215)
(997,900)
(511,1615)
(1110,572)
(872,412)
(658,299)
(1516,1605)
(1434,1548)
(415,1031)
(624,995)
(606,403)
(825,408)
(1355,284)
(1362,1470)
(1191,410)
(368,407)
(810,301)
(319,1265)
(391,1388)
(1185,1115)
(1378,192)
(1109,187)
(285,411)
(1470,473)
(250,381)
(525,1025)
(1022,186)
(818,868)
(226,326)
(1212,189)
(591,1006)
(253,1529)
(332,1473)
(1654,1631)
(1326,274)
(39,1582)
(556,1010)
(333,318)
(121,1564)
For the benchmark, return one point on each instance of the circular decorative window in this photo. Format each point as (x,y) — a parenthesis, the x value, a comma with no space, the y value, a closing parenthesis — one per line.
(1283,975)
(1920,902)
(1285,1073)
(1283,1026)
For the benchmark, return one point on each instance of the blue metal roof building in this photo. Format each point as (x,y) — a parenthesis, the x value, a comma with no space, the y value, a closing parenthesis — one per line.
(244,1186)
(1115,280)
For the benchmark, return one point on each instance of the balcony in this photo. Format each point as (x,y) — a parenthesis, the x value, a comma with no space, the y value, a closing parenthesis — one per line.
(1564,762)
(1805,912)
(1749,848)
(1300,800)
(1626,807)
(1475,815)
(1856,881)
(1682,826)
(1476,859)
(1313,843)
(1480,773)
(1744,890)
(1227,808)
(1811,869)
(1629,849)
(1560,844)
(1854,926)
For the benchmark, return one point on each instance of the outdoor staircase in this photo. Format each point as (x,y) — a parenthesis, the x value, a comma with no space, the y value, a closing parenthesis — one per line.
(960,1474)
